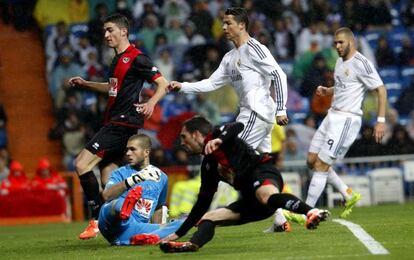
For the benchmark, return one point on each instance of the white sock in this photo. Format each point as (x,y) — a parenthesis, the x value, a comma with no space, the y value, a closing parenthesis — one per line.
(335,181)
(316,187)
(279,217)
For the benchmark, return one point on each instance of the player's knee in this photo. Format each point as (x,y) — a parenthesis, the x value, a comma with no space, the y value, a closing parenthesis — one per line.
(83,164)
(80,165)
(310,161)
(320,166)
(263,193)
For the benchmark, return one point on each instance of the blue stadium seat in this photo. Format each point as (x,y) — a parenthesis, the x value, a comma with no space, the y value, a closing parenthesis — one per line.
(395,38)
(372,38)
(407,75)
(394,90)
(287,67)
(78,30)
(297,117)
(389,71)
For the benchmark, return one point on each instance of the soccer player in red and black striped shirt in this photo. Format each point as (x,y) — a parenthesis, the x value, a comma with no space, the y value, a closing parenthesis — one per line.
(123,115)
(230,159)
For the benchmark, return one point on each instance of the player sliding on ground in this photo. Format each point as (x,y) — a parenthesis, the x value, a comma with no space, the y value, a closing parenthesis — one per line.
(228,158)
(135,195)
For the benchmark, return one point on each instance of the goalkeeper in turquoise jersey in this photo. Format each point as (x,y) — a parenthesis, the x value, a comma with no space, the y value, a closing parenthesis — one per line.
(135,195)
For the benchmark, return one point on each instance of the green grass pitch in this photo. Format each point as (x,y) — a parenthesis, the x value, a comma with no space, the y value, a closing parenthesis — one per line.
(390,225)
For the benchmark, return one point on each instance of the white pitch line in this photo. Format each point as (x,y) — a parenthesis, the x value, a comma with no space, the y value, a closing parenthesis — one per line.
(369,242)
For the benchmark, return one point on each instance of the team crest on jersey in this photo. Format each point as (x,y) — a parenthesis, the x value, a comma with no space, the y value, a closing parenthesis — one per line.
(144,207)
(154,69)
(125,60)
(347,72)
(113,84)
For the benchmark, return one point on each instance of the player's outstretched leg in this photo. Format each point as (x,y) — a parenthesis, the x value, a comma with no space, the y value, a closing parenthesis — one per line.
(280,223)
(294,217)
(178,247)
(129,203)
(349,204)
(315,216)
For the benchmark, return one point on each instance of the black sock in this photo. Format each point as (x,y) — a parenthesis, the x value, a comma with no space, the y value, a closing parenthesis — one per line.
(91,189)
(289,202)
(204,233)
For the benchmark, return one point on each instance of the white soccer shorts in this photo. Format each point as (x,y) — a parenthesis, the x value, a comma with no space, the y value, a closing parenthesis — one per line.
(256,132)
(335,135)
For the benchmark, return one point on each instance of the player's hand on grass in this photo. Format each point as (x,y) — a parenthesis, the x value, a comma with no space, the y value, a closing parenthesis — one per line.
(282,120)
(170,237)
(212,145)
(174,86)
(379,131)
(76,82)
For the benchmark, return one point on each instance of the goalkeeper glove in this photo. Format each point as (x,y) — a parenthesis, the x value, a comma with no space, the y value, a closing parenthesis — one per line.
(146,174)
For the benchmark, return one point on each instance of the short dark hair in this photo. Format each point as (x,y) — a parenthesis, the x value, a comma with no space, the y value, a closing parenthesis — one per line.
(240,15)
(198,123)
(120,20)
(346,31)
(144,140)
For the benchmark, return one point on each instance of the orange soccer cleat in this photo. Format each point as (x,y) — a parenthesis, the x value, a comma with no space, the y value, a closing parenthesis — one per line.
(131,199)
(178,247)
(91,231)
(315,216)
(144,239)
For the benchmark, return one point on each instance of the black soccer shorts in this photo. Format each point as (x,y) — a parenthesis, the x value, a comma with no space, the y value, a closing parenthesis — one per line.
(248,206)
(110,142)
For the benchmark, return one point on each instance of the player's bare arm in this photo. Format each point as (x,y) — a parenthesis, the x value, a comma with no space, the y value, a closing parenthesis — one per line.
(148,108)
(96,86)
(324,91)
(114,191)
(379,128)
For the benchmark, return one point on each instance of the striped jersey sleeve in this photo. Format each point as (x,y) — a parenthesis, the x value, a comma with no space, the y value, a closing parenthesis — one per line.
(368,74)
(264,62)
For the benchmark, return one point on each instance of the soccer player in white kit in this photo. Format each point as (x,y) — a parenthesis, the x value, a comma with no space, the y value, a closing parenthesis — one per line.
(354,76)
(260,83)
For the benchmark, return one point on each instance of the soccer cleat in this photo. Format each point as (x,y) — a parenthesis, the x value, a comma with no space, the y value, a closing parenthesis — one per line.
(350,204)
(294,217)
(285,227)
(178,247)
(129,203)
(91,231)
(315,216)
(144,239)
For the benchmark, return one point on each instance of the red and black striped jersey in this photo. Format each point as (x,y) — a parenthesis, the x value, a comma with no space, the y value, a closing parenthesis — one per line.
(127,74)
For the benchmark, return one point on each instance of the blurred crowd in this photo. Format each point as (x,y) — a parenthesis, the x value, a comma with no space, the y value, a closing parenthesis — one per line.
(185,40)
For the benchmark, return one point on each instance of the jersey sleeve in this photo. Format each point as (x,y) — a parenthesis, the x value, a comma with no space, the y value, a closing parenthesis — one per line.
(228,131)
(264,62)
(115,178)
(145,68)
(209,183)
(368,75)
(218,79)
(163,195)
